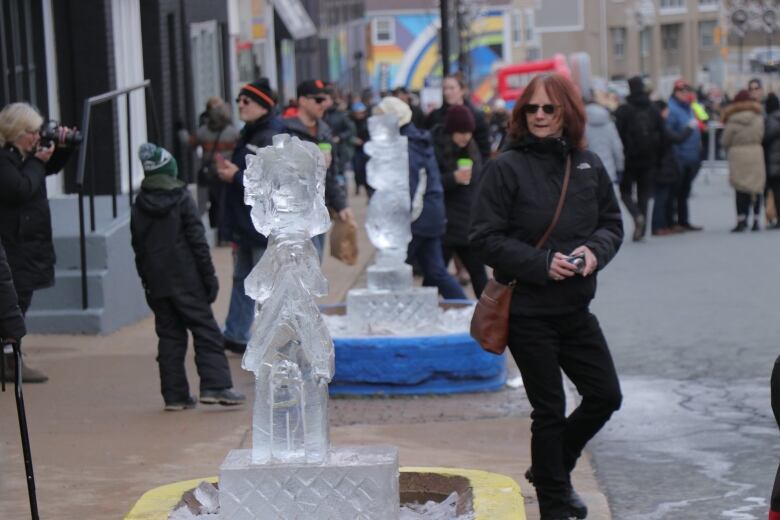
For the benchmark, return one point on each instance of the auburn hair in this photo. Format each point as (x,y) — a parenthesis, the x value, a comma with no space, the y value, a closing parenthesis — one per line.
(561,92)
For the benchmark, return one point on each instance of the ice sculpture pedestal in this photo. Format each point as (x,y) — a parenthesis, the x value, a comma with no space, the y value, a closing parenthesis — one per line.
(373,310)
(356,482)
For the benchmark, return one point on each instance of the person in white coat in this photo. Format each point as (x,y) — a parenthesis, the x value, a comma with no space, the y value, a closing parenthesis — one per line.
(603,139)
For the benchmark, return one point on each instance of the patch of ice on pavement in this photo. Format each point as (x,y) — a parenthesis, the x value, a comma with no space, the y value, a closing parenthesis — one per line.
(446,510)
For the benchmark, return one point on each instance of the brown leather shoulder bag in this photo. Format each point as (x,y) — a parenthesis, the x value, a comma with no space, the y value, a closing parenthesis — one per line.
(490,322)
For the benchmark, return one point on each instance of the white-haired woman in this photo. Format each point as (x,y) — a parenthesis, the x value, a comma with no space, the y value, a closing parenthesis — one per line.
(25,220)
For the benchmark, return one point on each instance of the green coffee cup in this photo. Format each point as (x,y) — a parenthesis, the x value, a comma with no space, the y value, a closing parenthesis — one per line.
(326,147)
(465,163)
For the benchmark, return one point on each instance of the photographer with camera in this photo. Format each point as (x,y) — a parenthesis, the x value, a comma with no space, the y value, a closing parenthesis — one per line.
(28,153)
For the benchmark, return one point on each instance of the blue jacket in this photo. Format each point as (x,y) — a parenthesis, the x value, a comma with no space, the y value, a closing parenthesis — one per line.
(688,152)
(237,223)
(432,221)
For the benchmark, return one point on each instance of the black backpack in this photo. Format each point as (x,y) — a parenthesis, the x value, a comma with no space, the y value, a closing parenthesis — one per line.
(643,134)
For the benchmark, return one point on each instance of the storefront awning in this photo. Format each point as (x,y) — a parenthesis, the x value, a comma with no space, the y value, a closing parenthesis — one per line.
(295,18)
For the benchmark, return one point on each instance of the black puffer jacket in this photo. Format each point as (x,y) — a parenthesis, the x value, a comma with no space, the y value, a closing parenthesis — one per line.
(516,200)
(11,320)
(458,198)
(25,218)
(335,187)
(772,144)
(171,252)
(669,169)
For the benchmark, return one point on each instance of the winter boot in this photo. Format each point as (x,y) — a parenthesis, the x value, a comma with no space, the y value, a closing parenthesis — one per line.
(29,375)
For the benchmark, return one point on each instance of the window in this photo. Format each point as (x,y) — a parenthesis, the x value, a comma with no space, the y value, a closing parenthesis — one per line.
(670,37)
(528,25)
(517,28)
(384,31)
(673,4)
(645,39)
(618,42)
(707,5)
(707,34)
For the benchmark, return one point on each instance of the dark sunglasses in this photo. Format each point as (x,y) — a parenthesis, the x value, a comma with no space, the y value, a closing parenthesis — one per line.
(242,100)
(318,99)
(532,108)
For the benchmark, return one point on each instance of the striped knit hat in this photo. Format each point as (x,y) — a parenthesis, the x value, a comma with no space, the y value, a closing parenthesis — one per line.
(260,92)
(157,160)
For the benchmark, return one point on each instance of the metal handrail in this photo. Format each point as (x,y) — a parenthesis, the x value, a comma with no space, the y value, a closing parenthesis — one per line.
(81,165)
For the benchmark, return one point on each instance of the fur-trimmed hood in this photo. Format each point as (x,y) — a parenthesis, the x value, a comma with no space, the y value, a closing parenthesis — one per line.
(741,106)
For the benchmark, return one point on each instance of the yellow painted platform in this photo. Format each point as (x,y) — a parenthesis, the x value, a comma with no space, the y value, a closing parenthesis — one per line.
(496,497)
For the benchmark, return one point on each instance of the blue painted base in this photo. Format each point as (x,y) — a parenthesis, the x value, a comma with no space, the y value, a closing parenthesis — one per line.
(435,385)
(389,365)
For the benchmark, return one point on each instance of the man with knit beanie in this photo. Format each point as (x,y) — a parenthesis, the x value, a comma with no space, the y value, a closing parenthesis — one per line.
(257,109)
(428,216)
(174,263)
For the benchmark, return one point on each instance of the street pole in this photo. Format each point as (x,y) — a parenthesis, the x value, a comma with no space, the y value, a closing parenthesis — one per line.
(444,44)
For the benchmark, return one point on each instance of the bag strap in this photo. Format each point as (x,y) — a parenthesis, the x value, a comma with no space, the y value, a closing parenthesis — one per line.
(214,147)
(559,208)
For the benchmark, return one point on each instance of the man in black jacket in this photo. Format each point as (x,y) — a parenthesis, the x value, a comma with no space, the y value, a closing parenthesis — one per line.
(174,263)
(308,125)
(641,129)
(256,108)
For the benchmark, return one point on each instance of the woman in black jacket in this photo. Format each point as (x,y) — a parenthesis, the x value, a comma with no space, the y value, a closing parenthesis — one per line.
(455,147)
(551,327)
(25,218)
(772,149)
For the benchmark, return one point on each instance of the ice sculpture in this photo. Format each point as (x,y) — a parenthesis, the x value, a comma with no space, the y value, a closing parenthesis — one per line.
(290,351)
(291,472)
(390,299)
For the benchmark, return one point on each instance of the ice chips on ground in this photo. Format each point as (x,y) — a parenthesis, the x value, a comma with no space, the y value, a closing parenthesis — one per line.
(446,510)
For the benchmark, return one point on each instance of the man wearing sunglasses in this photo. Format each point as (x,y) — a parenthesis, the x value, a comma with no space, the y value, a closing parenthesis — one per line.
(307,125)
(257,109)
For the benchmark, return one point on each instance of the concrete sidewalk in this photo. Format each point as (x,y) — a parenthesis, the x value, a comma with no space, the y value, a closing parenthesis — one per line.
(100,438)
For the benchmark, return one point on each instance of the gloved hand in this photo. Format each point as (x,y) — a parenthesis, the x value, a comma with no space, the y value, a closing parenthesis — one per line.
(212,288)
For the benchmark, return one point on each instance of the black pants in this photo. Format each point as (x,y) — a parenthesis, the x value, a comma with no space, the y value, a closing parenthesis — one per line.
(172,318)
(689,174)
(774,503)
(773,183)
(471,262)
(744,202)
(25,300)
(542,347)
(640,175)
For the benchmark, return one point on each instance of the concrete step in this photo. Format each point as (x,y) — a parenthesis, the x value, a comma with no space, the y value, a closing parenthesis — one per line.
(66,292)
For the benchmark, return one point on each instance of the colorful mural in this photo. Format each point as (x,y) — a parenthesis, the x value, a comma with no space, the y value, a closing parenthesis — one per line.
(413,56)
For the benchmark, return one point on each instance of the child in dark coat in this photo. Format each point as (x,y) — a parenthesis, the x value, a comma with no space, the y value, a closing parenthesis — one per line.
(174,263)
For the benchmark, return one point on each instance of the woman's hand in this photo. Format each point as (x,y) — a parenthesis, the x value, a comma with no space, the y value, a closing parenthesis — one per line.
(463,176)
(44,154)
(591,263)
(560,268)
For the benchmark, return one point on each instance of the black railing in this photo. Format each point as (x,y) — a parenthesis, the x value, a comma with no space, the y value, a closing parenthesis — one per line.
(88,104)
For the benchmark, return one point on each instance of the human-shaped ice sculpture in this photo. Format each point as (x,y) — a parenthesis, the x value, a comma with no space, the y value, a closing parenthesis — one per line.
(290,351)
(390,302)
(388,222)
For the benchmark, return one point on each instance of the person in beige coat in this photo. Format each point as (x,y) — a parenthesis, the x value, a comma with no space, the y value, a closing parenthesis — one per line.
(742,136)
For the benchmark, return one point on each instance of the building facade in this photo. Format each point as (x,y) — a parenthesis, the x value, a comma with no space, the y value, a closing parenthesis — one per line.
(660,39)
(404,44)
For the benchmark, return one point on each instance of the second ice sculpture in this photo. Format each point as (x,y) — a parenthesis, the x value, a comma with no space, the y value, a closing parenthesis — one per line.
(291,472)
(390,301)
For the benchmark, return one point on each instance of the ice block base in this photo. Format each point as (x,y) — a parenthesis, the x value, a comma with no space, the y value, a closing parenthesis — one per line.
(356,482)
(374,311)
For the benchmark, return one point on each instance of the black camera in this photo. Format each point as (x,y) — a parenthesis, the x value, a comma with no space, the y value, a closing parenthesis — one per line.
(50,133)
(578,261)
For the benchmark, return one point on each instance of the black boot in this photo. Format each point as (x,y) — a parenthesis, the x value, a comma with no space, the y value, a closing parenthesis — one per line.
(29,375)
(740,227)
(577,506)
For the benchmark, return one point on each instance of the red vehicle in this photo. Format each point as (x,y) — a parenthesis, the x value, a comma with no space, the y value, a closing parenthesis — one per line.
(512,79)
